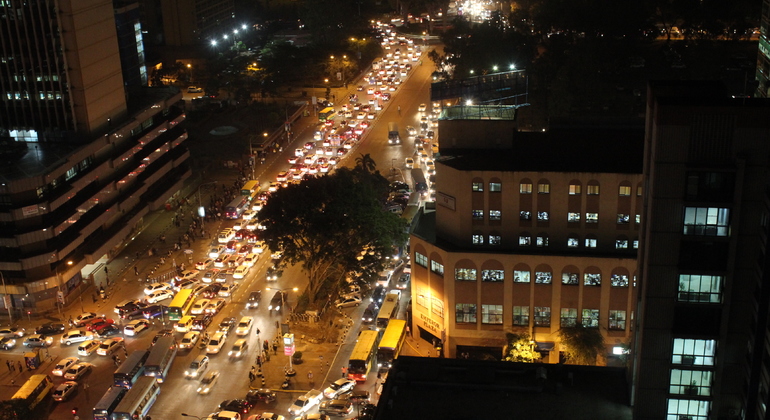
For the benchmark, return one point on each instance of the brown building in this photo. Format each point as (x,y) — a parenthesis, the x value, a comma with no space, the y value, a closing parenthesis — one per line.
(531,232)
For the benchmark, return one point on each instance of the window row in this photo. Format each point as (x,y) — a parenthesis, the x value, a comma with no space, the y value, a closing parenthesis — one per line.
(542,241)
(466,313)
(544,216)
(540,277)
(526,187)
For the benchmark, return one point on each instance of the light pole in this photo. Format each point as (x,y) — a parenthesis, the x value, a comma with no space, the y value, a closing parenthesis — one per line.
(8,302)
(283,293)
(59,278)
(200,204)
(189,66)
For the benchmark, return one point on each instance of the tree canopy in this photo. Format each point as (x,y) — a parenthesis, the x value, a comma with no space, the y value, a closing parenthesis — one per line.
(582,345)
(325,223)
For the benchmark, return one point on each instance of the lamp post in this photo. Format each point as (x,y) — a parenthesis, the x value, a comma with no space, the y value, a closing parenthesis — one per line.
(59,293)
(283,293)
(189,66)
(7,303)
(200,204)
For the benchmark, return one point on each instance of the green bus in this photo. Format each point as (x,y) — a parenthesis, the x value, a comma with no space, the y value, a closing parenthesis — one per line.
(326,114)
(181,304)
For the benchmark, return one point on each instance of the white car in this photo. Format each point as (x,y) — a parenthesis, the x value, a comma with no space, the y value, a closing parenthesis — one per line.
(108,346)
(65,390)
(249,215)
(409,163)
(227,290)
(134,328)
(77,370)
(63,365)
(241,271)
(159,295)
(75,336)
(208,382)
(422,108)
(305,402)
(199,306)
(348,302)
(189,340)
(215,343)
(155,287)
(339,387)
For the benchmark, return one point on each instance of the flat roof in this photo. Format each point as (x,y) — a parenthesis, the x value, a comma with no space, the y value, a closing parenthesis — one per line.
(434,388)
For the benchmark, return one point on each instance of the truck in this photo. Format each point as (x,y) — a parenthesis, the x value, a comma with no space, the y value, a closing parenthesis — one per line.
(393,137)
(420,185)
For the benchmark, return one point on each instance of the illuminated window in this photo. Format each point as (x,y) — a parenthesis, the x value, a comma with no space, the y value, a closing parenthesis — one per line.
(590,318)
(525,215)
(477,214)
(420,259)
(700,288)
(520,276)
(478,239)
(693,352)
(543,188)
(495,239)
(624,219)
(491,314)
(495,187)
(465,274)
(688,409)
(542,240)
(525,188)
(495,215)
(706,221)
(570,278)
(691,382)
(521,315)
(573,217)
(573,242)
(590,242)
(593,190)
(437,267)
(465,313)
(592,279)
(624,190)
(542,316)
(621,244)
(574,189)
(542,216)
(543,277)
(617,320)
(477,186)
(492,275)
(619,280)
(525,240)
(568,317)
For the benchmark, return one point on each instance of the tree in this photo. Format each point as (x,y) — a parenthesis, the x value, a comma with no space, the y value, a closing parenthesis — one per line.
(325,223)
(520,348)
(366,163)
(582,345)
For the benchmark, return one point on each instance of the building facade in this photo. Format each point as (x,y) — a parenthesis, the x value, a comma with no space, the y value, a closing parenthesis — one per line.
(525,241)
(763,58)
(187,22)
(701,350)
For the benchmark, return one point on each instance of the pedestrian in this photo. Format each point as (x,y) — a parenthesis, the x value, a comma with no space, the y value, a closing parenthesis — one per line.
(251,377)
(136,270)
(71,322)
(265,345)
(408,332)
(19,365)
(94,298)
(106,270)
(275,348)
(10,366)
(137,255)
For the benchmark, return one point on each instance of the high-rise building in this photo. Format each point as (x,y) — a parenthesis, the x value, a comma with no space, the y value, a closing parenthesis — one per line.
(531,232)
(701,350)
(83,162)
(187,22)
(763,58)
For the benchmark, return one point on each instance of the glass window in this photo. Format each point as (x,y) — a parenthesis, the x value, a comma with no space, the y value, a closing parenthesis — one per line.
(491,314)
(573,217)
(478,239)
(638,219)
(495,215)
(639,191)
(422,301)
(71,173)
(420,259)
(525,215)
(636,244)
(543,188)
(591,318)
(574,189)
(495,187)
(495,239)
(617,320)
(525,188)
(436,267)
(706,221)
(592,217)
(570,278)
(477,214)
(621,244)
(593,190)
(437,306)
(700,288)
(542,216)
(568,317)
(542,240)
(465,274)
(465,313)
(590,242)
(525,240)
(690,382)
(624,190)
(688,409)
(572,242)
(592,279)
(521,315)
(543,277)
(520,276)
(693,352)
(492,275)
(477,186)
(619,280)
(542,316)
(624,219)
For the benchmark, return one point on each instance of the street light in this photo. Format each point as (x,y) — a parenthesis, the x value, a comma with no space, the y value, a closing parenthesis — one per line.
(7,304)
(189,66)
(59,277)
(283,293)
(200,204)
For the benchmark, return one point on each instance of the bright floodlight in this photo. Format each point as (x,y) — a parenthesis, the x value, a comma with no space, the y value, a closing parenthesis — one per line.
(243,27)
(471,71)
(512,66)
(494,68)
(213,42)
(469,102)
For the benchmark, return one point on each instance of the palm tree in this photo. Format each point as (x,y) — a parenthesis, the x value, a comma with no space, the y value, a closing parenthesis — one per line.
(366,163)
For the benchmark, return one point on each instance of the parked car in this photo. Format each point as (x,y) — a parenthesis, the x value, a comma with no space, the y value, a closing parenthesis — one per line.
(238,405)
(159,295)
(349,301)
(154,287)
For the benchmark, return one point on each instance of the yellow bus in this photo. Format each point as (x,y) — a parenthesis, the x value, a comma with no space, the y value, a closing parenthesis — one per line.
(391,343)
(362,357)
(34,390)
(181,304)
(326,114)
(250,188)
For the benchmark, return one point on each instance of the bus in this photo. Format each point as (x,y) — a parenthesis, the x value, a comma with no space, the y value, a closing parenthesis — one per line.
(250,189)
(34,390)
(106,406)
(131,369)
(390,345)
(181,304)
(138,401)
(161,357)
(236,207)
(388,310)
(363,355)
(326,114)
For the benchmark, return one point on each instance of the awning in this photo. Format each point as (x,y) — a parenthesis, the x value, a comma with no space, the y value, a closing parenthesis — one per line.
(544,345)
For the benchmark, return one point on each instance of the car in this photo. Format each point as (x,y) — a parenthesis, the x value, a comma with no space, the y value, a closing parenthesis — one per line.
(254,297)
(184,284)
(108,331)
(216,342)
(108,346)
(211,290)
(260,395)
(84,318)
(207,382)
(65,390)
(197,367)
(187,274)
(268,416)
(7,343)
(249,215)
(221,277)
(370,313)
(226,325)
(201,265)
(37,340)
(273,274)
(379,294)
(201,322)
(347,302)
(160,334)
(409,163)
(336,407)
(422,108)
(64,364)
(135,327)
(215,252)
(227,415)
(227,290)
(403,281)
(155,287)
(215,305)
(237,405)
(305,402)
(159,295)
(194,89)
(359,397)
(241,272)
(77,370)
(12,332)
(199,306)
(50,328)
(129,306)
(339,387)
(208,276)
(189,340)
(75,336)
(278,299)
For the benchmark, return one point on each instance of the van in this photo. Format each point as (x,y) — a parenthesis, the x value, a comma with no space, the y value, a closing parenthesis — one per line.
(226,236)
(244,326)
(88,347)
(184,324)
(239,348)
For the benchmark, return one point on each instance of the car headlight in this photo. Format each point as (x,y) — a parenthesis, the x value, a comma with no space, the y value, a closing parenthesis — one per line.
(229,353)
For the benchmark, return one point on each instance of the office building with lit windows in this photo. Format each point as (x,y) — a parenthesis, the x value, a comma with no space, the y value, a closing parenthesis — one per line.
(84,159)
(702,349)
(531,232)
